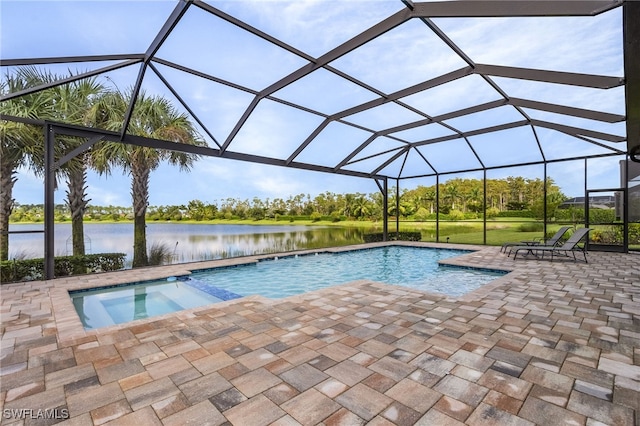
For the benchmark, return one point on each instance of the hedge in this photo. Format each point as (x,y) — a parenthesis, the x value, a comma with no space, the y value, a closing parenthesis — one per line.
(393,236)
(33,269)
(313,217)
(595,215)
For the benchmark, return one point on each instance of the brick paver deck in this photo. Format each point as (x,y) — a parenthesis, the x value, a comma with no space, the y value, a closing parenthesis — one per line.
(549,343)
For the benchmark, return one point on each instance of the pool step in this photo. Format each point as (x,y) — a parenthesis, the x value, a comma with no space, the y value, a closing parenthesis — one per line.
(220,293)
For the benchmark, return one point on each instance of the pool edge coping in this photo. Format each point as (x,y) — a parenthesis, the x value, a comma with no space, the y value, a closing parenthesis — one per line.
(69,325)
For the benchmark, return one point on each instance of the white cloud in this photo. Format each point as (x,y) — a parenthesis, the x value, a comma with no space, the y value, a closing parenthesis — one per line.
(604,173)
(455,95)
(402,57)
(574,44)
(274,130)
(108,196)
(313,26)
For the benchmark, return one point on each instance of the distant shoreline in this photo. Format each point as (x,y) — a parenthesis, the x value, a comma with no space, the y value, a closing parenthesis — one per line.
(344,223)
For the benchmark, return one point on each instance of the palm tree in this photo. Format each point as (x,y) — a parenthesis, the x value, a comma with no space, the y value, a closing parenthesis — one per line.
(71,104)
(152,117)
(377,212)
(452,193)
(517,187)
(430,196)
(67,103)
(475,197)
(20,144)
(349,201)
(417,200)
(395,208)
(361,206)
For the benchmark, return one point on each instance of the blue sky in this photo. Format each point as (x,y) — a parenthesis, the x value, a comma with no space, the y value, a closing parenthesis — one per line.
(400,58)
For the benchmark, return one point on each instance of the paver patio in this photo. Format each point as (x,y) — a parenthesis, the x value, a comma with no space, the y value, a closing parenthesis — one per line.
(550,343)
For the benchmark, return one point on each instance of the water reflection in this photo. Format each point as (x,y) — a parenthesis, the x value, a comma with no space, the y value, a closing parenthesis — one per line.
(140,303)
(189,242)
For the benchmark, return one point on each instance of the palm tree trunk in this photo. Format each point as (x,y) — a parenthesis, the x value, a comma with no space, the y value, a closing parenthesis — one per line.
(140,193)
(76,199)
(7,180)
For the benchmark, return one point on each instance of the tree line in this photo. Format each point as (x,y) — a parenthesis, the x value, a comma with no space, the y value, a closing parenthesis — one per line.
(457,197)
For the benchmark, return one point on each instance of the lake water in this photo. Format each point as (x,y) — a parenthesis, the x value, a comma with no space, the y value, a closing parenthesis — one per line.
(188,242)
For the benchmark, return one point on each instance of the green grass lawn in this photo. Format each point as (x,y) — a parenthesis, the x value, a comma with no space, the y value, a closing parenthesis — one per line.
(471,232)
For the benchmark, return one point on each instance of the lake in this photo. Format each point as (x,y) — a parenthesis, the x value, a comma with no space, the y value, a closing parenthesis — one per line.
(187,242)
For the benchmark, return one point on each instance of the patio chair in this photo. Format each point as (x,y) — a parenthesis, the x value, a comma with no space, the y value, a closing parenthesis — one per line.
(572,245)
(551,242)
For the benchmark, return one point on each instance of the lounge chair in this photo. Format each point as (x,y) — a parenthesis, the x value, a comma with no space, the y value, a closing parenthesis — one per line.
(570,246)
(551,242)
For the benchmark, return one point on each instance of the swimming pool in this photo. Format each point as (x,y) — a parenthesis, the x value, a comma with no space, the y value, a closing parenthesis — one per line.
(415,267)
(278,277)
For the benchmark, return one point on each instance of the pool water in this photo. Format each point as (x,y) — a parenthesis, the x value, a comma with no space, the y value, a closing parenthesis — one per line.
(413,267)
(116,305)
(279,277)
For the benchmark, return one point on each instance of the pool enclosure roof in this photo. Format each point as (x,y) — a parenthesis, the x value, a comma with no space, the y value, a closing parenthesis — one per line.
(380,89)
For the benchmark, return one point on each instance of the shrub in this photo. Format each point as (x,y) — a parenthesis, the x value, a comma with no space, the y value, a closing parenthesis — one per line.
(608,235)
(376,237)
(316,216)
(160,254)
(257,213)
(614,235)
(336,216)
(456,215)
(423,214)
(443,210)
(634,233)
(33,269)
(492,212)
